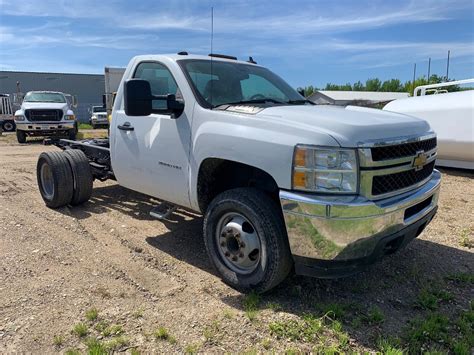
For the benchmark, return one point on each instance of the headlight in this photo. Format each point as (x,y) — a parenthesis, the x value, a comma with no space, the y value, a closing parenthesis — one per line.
(325,170)
(20,118)
(69,117)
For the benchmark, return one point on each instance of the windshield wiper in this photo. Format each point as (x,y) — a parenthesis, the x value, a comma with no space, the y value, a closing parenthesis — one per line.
(255,101)
(300,101)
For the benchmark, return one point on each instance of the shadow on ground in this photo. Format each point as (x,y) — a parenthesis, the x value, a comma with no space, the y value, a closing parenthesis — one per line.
(392,286)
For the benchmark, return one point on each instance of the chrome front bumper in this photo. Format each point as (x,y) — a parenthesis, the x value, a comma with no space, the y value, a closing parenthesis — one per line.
(337,228)
(44,126)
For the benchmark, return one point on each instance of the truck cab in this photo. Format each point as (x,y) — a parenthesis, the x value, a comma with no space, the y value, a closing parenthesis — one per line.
(45,113)
(282,184)
(98,117)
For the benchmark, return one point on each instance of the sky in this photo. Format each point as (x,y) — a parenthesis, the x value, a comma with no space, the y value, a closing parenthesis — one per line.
(305,42)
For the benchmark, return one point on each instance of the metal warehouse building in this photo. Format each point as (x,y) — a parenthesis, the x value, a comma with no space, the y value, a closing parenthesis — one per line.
(88,87)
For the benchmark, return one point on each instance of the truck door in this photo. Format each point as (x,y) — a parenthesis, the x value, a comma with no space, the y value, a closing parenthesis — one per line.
(152,155)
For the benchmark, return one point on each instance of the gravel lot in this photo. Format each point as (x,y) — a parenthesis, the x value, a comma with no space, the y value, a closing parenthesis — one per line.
(154,288)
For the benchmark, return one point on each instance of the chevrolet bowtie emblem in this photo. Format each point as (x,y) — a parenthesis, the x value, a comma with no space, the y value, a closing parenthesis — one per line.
(420,160)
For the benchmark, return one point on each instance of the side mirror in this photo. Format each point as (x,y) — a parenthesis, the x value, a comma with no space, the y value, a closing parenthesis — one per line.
(137,97)
(75,101)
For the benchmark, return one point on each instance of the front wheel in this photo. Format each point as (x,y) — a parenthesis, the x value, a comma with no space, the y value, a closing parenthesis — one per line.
(246,239)
(8,126)
(20,136)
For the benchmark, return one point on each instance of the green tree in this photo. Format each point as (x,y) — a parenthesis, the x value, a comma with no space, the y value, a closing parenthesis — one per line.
(373,84)
(358,86)
(392,85)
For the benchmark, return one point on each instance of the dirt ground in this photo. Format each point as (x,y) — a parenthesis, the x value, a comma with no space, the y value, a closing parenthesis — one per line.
(155,290)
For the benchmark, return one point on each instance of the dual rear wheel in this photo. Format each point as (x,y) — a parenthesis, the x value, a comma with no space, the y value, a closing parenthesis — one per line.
(64,178)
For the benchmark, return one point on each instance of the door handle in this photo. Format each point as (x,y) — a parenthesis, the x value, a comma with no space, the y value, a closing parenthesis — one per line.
(126,127)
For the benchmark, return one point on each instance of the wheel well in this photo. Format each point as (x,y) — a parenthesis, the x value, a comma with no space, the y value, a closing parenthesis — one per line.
(218,175)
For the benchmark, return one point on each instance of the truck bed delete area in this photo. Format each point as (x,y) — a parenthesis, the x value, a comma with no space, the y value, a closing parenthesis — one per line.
(153,288)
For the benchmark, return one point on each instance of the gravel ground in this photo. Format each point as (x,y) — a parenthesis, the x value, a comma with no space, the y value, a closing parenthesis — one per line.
(143,275)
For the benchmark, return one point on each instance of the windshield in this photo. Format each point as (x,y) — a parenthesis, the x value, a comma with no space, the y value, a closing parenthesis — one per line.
(98,109)
(233,83)
(44,97)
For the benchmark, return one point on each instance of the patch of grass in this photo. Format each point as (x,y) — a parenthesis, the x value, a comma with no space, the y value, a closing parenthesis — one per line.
(210,333)
(229,314)
(274,306)
(251,303)
(374,316)
(72,352)
(305,329)
(101,326)
(117,343)
(332,310)
(92,314)
(266,344)
(138,313)
(114,330)
(162,334)
(85,126)
(429,299)
(461,277)
(58,340)
(423,332)
(80,329)
(192,348)
(389,346)
(466,239)
(95,347)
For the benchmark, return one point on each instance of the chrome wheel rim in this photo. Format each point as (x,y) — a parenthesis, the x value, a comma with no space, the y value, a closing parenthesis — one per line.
(238,243)
(8,126)
(47,182)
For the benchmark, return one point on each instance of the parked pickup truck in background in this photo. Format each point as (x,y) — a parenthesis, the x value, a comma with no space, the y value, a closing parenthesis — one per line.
(45,113)
(98,117)
(7,122)
(281,183)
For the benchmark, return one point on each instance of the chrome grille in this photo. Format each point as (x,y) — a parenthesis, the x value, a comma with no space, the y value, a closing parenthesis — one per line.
(383,184)
(402,150)
(44,115)
(388,168)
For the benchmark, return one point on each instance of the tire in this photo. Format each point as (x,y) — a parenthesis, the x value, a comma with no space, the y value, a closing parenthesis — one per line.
(8,126)
(72,134)
(93,126)
(21,136)
(82,176)
(55,185)
(265,218)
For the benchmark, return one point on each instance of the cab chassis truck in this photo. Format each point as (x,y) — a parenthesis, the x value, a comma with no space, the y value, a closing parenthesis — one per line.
(282,184)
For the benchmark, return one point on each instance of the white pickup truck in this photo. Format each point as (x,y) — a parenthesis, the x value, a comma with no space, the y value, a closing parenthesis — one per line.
(281,183)
(45,113)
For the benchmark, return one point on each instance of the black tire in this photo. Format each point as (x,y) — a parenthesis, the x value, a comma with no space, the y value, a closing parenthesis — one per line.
(82,176)
(21,136)
(72,134)
(60,192)
(93,126)
(275,261)
(8,126)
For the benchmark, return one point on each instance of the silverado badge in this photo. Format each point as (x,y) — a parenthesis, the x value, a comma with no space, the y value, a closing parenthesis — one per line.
(420,160)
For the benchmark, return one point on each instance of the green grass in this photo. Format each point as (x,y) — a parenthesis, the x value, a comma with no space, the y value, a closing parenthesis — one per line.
(117,343)
(85,126)
(251,304)
(211,333)
(374,316)
(80,329)
(95,347)
(92,314)
(305,329)
(465,238)
(58,340)
(229,314)
(332,310)
(429,299)
(462,278)
(162,334)
(72,352)
(424,332)
(192,348)
(138,313)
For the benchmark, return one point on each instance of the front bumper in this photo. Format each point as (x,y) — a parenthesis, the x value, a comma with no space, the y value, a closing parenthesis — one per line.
(102,121)
(334,236)
(44,128)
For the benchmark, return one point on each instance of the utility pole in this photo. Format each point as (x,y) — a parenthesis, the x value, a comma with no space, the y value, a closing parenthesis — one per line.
(429,69)
(414,74)
(447,67)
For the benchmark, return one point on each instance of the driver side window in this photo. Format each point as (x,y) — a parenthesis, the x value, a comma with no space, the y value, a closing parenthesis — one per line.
(160,79)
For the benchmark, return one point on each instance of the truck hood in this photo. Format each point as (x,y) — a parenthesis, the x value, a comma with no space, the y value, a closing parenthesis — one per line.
(349,126)
(44,105)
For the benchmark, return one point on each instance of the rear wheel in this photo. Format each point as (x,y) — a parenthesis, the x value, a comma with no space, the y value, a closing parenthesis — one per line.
(246,239)
(55,179)
(82,175)
(8,126)
(20,136)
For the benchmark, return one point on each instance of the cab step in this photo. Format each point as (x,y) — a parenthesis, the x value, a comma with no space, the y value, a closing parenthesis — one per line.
(163,211)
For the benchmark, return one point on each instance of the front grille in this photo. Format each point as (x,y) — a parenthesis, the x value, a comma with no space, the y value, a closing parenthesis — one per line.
(402,150)
(44,115)
(383,184)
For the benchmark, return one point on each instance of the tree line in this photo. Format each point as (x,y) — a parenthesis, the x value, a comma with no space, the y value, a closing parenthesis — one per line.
(375,84)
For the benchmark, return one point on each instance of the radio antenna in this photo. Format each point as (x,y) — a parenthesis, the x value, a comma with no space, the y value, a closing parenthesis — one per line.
(212,38)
